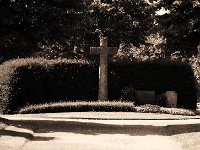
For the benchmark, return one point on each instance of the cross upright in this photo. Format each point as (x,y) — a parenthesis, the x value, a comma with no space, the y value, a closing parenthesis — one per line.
(104,51)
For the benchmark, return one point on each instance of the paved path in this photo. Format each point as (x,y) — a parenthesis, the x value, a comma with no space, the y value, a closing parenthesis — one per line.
(104,115)
(99,131)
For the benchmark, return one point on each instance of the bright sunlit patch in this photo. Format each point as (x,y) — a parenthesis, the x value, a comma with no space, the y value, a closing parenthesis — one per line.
(162,11)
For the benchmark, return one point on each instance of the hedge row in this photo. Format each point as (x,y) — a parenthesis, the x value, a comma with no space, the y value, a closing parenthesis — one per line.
(102,106)
(155,76)
(33,81)
(80,106)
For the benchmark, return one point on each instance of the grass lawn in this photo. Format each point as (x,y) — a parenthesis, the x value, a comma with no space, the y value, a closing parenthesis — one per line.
(107,106)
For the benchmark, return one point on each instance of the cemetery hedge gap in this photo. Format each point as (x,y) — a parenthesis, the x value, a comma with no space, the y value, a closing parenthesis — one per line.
(34,81)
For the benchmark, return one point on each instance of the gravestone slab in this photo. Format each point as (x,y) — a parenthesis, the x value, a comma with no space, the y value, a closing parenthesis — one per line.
(171,99)
(146,97)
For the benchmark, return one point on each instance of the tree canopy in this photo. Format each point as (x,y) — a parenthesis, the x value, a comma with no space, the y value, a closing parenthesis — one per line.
(181,26)
(67,28)
(31,26)
(60,28)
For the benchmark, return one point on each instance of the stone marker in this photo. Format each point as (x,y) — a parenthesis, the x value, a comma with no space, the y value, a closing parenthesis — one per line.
(104,51)
(146,97)
(171,99)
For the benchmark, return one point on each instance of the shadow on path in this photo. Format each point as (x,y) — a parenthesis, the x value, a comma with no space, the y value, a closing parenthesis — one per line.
(46,126)
(29,136)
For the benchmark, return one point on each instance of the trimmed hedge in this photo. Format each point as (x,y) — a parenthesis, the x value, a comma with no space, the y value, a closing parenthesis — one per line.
(102,106)
(158,76)
(34,81)
(39,80)
(79,106)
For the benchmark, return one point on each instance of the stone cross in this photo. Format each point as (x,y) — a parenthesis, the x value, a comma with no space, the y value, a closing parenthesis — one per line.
(104,51)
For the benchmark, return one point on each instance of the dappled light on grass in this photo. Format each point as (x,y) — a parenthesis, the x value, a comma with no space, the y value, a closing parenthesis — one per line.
(102,106)
(79,106)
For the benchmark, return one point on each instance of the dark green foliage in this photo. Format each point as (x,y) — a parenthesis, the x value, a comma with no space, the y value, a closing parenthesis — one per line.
(32,81)
(154,76)
(181,26)
(109,106)
(121,21)
(129,94)
(29,26)
(79,106)
(66,29)
(149,108)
